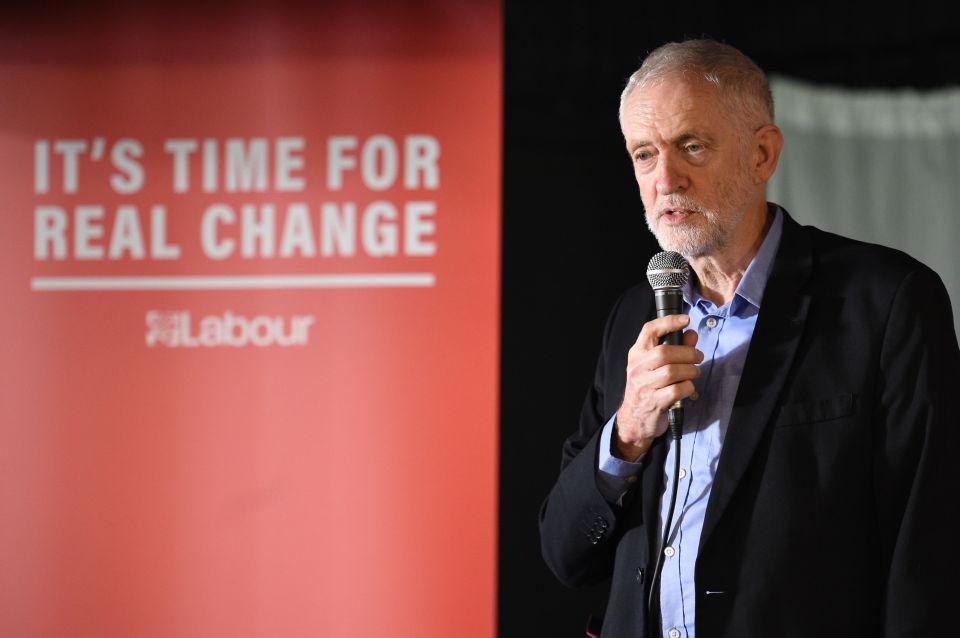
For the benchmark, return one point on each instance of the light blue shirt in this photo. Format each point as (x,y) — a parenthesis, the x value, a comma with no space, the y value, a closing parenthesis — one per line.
(724,337)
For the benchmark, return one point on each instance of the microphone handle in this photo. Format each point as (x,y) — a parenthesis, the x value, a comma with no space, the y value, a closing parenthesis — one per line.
(669,301)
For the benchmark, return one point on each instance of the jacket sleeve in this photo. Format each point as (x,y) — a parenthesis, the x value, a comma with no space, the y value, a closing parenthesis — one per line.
(916,457)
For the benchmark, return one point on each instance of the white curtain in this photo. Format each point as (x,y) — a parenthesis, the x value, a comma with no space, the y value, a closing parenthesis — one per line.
(878,165)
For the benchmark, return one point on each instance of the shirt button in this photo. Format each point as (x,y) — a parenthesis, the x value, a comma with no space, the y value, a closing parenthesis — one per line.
(631,479)
(711,322)
(668,552)
(683,472)
(674,633)
(694,396)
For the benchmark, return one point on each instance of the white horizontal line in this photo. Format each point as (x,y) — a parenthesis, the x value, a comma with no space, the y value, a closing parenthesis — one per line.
(237,282)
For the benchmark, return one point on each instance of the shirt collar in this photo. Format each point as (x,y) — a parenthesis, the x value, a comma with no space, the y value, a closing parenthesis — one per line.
(754,280)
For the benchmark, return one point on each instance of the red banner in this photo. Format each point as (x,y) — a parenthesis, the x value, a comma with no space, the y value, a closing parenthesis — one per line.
(251,283)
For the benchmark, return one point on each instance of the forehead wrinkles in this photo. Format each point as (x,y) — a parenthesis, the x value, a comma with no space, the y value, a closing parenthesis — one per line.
(667,110)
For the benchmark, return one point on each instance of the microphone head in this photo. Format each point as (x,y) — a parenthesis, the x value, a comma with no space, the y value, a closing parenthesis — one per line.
(667,269)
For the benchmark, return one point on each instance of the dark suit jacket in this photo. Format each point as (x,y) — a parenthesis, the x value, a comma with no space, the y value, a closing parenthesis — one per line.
(834,507)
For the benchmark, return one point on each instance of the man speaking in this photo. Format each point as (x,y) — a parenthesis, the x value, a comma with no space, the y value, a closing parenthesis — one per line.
(811,486)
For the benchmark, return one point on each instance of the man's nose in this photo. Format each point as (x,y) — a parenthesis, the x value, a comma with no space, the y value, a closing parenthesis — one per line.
(671,175)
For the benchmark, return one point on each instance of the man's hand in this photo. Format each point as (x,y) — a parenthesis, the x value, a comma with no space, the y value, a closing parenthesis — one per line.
(657,377)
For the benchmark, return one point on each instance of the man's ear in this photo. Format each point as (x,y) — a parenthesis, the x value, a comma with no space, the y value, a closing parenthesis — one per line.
(767,143)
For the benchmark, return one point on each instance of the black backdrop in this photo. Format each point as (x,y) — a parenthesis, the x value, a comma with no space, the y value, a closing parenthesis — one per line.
(573,231)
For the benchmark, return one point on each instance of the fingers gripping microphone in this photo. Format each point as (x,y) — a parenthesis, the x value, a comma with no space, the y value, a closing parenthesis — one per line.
(667,273)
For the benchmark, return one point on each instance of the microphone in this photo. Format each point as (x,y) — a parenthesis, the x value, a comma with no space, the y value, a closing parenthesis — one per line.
(667,273)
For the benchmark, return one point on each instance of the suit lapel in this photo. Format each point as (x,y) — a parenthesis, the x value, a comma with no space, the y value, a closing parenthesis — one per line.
(779,327)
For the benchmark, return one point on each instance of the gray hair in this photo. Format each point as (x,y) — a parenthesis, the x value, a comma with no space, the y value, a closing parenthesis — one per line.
(743,86)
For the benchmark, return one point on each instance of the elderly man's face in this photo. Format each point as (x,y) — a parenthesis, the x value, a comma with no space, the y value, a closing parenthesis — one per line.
(692,164)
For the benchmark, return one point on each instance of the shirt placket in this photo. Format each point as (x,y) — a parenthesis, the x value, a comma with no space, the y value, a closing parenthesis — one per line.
(678,575)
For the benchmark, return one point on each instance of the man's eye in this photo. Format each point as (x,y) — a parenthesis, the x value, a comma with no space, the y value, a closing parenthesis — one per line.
(694,148)
(641,156)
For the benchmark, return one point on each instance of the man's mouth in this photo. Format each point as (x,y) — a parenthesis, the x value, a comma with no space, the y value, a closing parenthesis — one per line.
(675,215)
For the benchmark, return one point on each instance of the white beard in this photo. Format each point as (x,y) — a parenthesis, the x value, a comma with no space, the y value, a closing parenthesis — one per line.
(713,231)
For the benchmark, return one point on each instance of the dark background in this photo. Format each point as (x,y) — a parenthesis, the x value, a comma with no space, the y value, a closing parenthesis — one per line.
(573,230)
